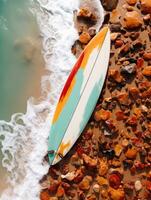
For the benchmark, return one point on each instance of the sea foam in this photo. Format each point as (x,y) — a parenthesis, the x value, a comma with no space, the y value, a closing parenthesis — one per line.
(24,141)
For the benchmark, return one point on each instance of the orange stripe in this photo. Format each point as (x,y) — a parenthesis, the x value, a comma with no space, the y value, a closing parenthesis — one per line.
(94,43)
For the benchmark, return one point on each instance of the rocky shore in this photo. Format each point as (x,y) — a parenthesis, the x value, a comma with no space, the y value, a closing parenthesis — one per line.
(112,158)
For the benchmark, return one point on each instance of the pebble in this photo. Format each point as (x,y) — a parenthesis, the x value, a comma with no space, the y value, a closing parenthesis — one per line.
(109,5)
(102,115)
(132,20)
(138,185)
(131,2)
(131,153)
(60,191)
(118,43)
(146,6)
(102,181)
(84,38)
(128,69)
(147,56)
(103,167)
(115,27)
(114,36)
(84,12)
(114,180)
(85,183)
(89,161)
(116,194)
(118,150)
(96,188)
(147,71)
(115,75)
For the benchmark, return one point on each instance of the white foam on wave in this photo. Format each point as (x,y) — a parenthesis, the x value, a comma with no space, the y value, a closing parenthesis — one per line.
(25,137)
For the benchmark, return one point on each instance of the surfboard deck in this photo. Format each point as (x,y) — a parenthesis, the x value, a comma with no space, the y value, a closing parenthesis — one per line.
(79,96)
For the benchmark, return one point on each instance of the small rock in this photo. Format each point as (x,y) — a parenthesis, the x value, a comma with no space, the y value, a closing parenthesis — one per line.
(116,194)
(85,183)
(118,150)
(115,27)
(147,18)
(138,185)
(92,31)
(131,153)
(69,176)
(146,6)
(103,167)
(131,2)
(147,71)
(60,191)
(118,43)
(125,142)
(109,5)
(84,13)
(84,38)
(140,62)
(132,121)
(102,115)
(128,69)
(147,56)
(134,92)
(115,180)
(132,20)
(53,198)
(44,195)
(123,98)
(89,161)
(115,75)
(102,181)
(114,36)
(96,188)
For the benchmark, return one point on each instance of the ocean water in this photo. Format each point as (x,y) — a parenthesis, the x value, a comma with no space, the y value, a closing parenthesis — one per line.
(23,138)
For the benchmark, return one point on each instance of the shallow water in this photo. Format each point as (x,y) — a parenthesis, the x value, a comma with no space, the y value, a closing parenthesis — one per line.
(21,62)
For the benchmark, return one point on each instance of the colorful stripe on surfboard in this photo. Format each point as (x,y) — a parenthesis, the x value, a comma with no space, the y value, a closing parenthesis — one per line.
(71,96)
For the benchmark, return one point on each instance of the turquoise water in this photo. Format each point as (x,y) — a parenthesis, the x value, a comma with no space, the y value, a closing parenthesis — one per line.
(21,63)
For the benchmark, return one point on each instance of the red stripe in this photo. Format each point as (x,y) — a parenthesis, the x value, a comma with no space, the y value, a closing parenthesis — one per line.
(71,76)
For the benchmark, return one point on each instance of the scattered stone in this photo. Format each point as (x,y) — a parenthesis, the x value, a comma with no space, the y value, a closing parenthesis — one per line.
(146,6)
(115,75)
(128,69)
(103,167)
(116,194)
(102,181)
(134,92)
(114,36)
(115,27)
(84,38)
(118,150)
(147,71)
(85,183)
(92,31)
(138,185)
(115,180)
(147,56)
(96,188)
(89,161)
(131,153)
(147,18)
(102,115)
(84,13)
(131,2)
(60,191)
(109,5)
(118,43)
(132,20)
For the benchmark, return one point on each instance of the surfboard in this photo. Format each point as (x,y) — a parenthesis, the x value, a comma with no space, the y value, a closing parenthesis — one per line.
(79,96)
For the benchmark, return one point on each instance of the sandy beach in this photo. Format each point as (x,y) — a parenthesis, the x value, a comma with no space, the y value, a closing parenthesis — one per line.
(111,159)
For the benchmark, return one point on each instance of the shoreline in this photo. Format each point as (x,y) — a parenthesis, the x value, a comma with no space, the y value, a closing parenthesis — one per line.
(100,175)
